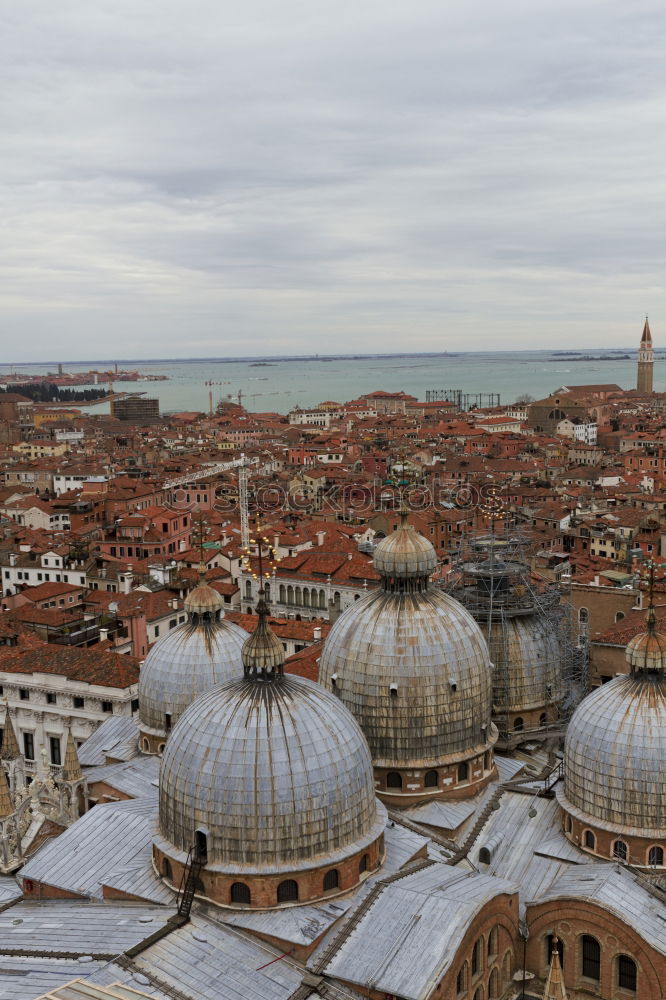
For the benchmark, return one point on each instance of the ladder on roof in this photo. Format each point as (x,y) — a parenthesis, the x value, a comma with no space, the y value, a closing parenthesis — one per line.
(188,883)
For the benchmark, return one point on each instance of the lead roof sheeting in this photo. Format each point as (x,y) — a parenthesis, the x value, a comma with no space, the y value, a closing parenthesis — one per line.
(25,978)
(401,845)
(9,889)
(409,936)
(225,966)
(82,928)
(617,890)
(507,767)
(139,879)
(111,973)
(561,849)
(138,777)
(447,815)
(515,855)
(297,924)
(102,841)
(527,659)
(116,737)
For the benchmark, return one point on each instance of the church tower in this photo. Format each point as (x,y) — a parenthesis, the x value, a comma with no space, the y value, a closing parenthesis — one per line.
(645,361)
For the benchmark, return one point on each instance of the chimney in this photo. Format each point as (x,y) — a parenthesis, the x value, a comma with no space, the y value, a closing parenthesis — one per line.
(316,633)
(321,537)
(103,634)
(12,558)
(350,556)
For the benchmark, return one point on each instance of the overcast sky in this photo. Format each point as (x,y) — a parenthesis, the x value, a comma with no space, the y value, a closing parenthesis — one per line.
(208,178)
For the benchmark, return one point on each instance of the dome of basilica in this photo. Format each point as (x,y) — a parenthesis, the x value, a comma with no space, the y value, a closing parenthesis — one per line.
(195,656)
(615,749)
(412,666)
(527,659)
(269,775)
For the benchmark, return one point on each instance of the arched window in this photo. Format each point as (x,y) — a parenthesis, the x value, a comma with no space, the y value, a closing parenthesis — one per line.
(463,771)
(550,947)
(492,942)
(477,956)
(493,985)
(322,600)
(167,870)
(656,856)
(431,779)
(248,590)
(486,761)
(620,850)
(393,780)
(590,840)
(297,596)
(619,616)
(518,724)
(240,893)
(626,973)
(590,957)
(306,597)
(568,825)
(484,856)
(290,594)
(160,748)
(201,846)
(146,745)
(283,593)
(583,616)
(462,978)
(507,962)
(267,590)
(478,994)
(331,880)
(543,719)
(364,864)
(287,891)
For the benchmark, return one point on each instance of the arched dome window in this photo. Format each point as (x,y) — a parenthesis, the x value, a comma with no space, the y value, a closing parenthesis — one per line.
(463,771)
(518,724)
(626,973)
(656,856)
(287,891)
(620,850)
(590,840)
(590,957)
(583,616)
(167,870)
(543,719)
(364,864)
(462,978)
(240,893)
(331,880)
(393,780)
(477,956)
(431,779)
(201,846)
(568,825)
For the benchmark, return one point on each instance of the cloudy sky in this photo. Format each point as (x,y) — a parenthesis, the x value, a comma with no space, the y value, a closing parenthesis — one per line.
(208,178)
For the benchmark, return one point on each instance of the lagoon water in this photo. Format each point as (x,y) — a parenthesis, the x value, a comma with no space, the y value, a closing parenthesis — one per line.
(279,385)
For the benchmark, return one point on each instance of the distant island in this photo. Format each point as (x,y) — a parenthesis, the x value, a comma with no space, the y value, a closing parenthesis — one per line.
(574,356)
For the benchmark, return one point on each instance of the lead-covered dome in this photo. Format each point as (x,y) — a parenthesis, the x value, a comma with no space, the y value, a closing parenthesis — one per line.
(615,756)
(615,749)
(199,654)
(268,779)
(277,775)
(412,666)
(527,663)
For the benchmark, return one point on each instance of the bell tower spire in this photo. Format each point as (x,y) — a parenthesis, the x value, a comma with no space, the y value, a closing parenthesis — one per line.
(644,380)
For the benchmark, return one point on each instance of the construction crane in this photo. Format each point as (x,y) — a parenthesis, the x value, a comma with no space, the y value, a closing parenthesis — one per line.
(212,470)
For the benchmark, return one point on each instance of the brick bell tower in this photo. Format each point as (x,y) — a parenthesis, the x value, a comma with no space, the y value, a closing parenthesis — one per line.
(645,361)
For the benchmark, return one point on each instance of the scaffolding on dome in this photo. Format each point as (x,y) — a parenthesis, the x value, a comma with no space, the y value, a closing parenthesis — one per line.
(526,621)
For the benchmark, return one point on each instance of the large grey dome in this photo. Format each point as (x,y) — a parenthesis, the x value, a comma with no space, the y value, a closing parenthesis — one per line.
(199,654)
(615,757)
(277,775)
(413,669)
(527,660)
